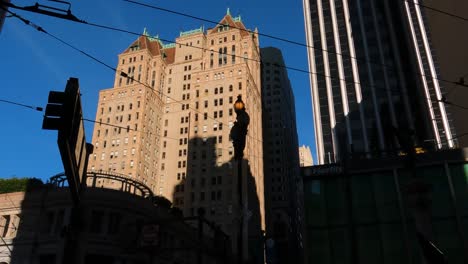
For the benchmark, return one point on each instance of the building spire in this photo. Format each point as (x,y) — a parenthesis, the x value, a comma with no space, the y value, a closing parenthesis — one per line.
(228,12)
(145,32)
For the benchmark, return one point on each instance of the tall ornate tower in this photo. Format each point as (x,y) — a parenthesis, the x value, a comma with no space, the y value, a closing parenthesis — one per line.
(178,120)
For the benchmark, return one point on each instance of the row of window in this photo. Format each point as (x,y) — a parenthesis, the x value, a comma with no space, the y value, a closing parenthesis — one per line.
(116,142)
(223,39)
(115,154)
(133,59)
(216,126)
(123,94)
(120,107)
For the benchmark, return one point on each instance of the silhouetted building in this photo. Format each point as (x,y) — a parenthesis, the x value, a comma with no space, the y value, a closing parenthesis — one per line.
(382,211)
(129,225)
(373,72)
(281,160)
(452,56)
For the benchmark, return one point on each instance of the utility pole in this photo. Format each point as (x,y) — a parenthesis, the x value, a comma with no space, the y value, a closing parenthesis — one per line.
(238,135)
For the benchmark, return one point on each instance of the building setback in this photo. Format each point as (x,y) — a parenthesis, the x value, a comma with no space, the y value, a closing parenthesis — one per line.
(282,204)
(179,119)
(373,73)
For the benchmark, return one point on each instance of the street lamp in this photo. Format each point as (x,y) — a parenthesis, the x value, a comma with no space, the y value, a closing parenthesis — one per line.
(238,135)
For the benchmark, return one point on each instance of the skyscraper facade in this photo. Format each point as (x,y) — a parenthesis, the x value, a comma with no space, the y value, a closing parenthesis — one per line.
(282,204)
(177,103)
(373,78)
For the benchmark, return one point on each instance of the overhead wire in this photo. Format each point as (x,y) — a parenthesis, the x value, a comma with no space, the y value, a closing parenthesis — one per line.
(39,109)
(123,74)
(292,41)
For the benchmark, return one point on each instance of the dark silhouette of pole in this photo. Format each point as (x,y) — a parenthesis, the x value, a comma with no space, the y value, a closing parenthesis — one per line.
(238,135)
(201,216)
(241,220)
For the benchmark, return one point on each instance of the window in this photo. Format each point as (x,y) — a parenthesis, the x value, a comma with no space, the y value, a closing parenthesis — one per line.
(233,54)
(224,56)
(206,104)
(220,56)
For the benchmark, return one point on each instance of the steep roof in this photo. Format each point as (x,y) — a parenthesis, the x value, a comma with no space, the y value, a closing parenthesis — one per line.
(170,54)
(233,22)
(144,42)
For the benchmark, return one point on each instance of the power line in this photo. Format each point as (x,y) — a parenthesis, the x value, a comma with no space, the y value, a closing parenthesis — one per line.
(162,137)
(39,109)
(294,42)
(438,10)
(123,74)
(233,55)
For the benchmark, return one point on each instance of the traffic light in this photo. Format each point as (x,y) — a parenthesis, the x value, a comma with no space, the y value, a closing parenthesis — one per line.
(63,110)
(54,112)
(64,113)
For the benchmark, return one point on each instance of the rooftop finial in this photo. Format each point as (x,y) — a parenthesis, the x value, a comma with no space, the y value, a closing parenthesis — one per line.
(228,12)
(145,32)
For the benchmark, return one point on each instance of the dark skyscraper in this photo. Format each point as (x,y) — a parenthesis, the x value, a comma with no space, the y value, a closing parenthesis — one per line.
(281,161)
(373,76)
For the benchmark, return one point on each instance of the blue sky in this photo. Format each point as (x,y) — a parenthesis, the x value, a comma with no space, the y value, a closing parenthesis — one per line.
(33,63)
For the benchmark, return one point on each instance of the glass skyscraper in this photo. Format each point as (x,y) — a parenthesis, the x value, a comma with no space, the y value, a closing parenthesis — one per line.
(373,78)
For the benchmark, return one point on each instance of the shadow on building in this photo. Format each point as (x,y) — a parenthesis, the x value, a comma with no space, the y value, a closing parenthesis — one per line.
(210,186)
(112,226)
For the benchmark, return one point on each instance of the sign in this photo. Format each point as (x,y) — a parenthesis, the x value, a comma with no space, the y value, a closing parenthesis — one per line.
(323,170)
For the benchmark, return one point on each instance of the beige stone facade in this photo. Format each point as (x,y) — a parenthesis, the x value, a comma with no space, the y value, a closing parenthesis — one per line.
(126,137)
(305,156)
(179,120)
